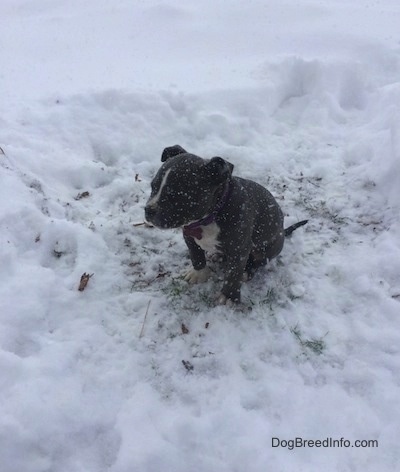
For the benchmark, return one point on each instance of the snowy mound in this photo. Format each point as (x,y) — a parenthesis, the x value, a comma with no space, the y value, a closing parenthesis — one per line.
(140,371)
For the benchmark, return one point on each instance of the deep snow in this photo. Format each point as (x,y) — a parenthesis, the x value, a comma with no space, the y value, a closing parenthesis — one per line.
(304,98)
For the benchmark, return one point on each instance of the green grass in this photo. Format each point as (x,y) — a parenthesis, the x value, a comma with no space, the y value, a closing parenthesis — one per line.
(317,346)
(176,288)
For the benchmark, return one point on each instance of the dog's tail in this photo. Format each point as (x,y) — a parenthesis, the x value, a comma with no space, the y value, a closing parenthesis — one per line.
(289,231)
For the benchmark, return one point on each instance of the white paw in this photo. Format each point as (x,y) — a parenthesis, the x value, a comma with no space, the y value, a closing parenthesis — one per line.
(194,276)
(221,299)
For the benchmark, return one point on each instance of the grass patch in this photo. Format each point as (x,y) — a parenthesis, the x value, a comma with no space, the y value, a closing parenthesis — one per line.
(317,346)
(176,288)
(270,298)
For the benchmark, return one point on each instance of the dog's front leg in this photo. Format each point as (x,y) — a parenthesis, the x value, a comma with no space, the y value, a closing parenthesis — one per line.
(230,293)
(200,272)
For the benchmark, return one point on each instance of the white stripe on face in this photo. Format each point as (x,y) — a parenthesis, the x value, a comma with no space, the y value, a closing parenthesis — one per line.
(154,200)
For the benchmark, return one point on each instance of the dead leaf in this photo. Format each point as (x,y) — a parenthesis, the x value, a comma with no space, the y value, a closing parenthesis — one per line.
(184,329)
(84,281)
(188,366)
(82,195)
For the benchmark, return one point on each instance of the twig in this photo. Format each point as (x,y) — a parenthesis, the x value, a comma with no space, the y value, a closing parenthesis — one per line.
(144,320)
(143,224)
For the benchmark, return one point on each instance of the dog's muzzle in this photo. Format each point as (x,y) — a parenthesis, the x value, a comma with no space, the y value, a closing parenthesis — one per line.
(150,212)
(154,216)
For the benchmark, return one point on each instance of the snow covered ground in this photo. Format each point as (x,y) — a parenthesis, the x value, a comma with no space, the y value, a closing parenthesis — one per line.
(140,372)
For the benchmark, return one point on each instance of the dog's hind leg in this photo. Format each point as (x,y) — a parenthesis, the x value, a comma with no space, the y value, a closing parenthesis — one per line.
(252,264)
(260,256)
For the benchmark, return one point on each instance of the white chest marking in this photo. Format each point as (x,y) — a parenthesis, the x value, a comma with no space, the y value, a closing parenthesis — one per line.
(209,241)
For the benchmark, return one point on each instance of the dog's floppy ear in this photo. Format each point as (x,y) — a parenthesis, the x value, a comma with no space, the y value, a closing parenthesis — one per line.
(219,170)
(172,151)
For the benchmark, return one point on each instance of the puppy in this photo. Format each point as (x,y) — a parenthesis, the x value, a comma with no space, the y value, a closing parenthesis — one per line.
(217,213)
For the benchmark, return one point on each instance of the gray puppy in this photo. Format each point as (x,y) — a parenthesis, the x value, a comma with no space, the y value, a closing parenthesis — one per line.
(217,213)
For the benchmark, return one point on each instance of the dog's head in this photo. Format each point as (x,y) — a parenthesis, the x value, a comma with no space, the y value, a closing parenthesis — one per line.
(184,188)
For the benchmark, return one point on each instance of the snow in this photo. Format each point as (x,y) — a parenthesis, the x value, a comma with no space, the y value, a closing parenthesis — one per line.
(302,97)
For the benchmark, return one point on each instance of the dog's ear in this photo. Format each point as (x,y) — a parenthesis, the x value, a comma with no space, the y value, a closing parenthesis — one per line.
(219,170)
(172,151)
